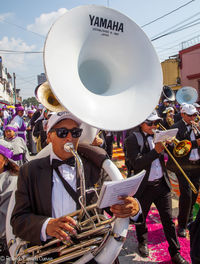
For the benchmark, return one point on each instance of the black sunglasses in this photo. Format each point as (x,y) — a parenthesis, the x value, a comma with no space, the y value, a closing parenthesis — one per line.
(152,123)
(191,115)
(62,132)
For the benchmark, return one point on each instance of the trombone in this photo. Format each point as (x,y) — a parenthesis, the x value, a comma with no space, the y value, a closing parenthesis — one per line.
(195,125)
(181,149)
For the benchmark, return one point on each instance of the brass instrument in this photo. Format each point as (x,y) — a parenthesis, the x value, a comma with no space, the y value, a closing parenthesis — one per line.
(181,149)
(86,71)
(170,121)
(168,93)
(45,96)
(92,231)
(186,94)
(195,128)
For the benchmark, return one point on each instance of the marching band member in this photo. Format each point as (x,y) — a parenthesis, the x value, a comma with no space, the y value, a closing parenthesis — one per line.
(191,165)
(168,120)
(144,154)
(41,198)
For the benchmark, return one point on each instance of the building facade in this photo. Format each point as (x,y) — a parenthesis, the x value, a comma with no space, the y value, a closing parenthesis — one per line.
(6,87)
(41,78)
(190,67)
(171,73)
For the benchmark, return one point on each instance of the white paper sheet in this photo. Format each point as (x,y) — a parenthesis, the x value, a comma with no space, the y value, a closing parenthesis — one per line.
(111,190)
(165,135)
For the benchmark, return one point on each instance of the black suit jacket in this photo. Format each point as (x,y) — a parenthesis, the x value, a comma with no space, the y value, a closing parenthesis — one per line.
(181,135)
(33,196)
(142,160)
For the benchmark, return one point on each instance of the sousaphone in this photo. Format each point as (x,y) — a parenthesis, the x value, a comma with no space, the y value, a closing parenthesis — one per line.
(102,67)
(187,94)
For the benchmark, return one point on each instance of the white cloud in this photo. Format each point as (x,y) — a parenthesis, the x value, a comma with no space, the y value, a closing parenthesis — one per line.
(5,16)
(15,61)
(43,23)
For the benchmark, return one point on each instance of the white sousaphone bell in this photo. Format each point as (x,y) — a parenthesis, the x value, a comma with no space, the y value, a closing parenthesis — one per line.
(187,94)
(101,67)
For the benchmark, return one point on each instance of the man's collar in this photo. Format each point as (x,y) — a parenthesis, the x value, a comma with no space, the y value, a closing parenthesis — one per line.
(53,156)
(185,122)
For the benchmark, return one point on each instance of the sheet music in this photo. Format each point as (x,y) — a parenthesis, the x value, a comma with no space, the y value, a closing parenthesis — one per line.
(111,190)
(165,135)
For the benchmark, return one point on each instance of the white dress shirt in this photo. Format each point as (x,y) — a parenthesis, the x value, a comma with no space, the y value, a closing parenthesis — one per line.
(62,202)
(156,171)
(194,154)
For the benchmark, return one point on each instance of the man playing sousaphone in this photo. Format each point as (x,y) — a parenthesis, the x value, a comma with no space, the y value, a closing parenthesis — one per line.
(41,198)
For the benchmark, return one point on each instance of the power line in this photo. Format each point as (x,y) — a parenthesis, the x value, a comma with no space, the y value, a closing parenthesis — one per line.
(20,52)
(13,24)
(167,13)
(177,30)
(178,24)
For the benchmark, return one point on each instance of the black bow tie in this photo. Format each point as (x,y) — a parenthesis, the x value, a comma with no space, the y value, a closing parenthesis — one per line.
(148,136)
(70,162)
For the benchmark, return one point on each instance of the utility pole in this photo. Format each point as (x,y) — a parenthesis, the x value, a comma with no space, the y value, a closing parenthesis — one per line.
(14,77)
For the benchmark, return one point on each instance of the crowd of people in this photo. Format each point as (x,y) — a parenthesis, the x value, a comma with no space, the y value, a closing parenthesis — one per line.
(48,187)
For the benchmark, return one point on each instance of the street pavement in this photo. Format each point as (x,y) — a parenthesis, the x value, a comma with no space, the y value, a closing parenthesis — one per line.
(129,253)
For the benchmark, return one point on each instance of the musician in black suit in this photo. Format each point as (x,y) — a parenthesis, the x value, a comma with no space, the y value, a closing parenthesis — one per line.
(42,196)
(155,188)
(190,164)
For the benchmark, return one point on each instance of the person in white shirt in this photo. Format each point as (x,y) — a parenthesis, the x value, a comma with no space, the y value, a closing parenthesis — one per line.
(42,199)
(144,154)
(190,164)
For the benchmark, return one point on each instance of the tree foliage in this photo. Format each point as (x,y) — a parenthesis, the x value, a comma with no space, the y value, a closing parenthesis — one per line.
(30,101)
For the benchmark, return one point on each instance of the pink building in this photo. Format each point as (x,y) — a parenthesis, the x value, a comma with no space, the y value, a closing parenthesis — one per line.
(190,67)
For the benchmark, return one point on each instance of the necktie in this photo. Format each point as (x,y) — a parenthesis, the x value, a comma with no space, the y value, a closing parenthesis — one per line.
(56,163)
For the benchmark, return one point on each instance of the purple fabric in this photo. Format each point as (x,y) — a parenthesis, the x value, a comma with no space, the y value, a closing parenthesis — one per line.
(19,108)
(6,152)
(30,111)
(17,157)
(5,121)
(16,105)
(9,127)
(22,129)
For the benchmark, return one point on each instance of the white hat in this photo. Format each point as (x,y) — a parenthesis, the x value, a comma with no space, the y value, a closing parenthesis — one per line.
(168,109)
(153,116)
(189,109)
(196,105)
(55,118)
(165,100)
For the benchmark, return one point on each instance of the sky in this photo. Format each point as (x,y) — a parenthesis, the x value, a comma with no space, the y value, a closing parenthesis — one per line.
(24,25)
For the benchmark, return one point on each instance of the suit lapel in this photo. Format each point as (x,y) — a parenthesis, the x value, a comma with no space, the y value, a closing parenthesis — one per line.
(44,179)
